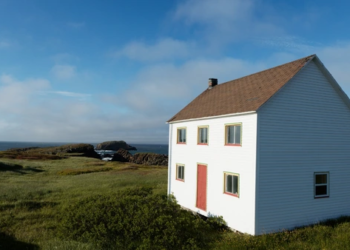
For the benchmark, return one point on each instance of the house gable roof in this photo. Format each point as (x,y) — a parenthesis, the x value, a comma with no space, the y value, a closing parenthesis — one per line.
(243,94)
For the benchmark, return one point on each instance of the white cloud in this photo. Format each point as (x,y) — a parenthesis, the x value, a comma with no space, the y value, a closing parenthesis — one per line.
(64,72)
(224,21)
(159,91)
(333,56)
(139,113)
(288,43)
(71,94)
(166,48)
(214,12)
(335,59)
(30,111)
(14,94)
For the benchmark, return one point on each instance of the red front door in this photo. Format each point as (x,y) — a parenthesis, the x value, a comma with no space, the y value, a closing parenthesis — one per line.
(202,187)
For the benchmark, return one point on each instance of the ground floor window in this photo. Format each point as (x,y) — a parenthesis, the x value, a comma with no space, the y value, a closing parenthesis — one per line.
(321,182)
(180,172)
(231,185)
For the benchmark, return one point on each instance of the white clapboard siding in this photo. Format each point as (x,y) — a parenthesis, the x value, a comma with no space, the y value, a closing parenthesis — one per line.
(304,128)
(239,213)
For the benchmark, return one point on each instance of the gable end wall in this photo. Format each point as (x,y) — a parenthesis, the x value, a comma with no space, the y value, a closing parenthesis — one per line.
(304,128)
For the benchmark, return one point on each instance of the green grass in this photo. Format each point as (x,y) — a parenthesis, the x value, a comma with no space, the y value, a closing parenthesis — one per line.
(33,192)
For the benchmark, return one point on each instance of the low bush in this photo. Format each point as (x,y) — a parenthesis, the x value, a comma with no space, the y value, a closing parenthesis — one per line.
(135,219)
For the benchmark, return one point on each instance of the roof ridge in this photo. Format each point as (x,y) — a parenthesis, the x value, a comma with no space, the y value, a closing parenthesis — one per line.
(259,72)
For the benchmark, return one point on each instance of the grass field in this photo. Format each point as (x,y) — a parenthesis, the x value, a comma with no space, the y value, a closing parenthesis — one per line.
(33,192)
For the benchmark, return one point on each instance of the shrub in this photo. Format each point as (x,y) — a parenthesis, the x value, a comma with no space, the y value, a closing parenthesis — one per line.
(134,219)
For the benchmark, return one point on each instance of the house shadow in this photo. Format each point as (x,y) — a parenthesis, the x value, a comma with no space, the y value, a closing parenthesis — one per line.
(17,168)
(334,222)
(9,242)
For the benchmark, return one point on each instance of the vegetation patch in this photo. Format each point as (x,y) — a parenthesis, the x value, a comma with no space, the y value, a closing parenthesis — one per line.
(136,219)
(19,155)
(130,168)
(329,234)
(100,163)
(16,168)
(83,171)
(50,153)
(34,203)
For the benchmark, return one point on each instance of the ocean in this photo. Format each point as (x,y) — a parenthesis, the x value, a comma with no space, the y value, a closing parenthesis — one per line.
(141,148)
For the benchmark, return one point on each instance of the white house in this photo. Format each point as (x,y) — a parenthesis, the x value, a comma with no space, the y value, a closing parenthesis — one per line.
(269,151)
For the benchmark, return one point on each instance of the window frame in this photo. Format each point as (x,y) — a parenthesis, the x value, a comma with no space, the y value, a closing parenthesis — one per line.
(327,184)
(238,184)
(179,165)
(199,134)
(178,135)
(226,134)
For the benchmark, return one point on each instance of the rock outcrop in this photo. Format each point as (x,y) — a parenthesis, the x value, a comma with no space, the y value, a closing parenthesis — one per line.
(114,145)
(81,149)
(122,155)
(150,159)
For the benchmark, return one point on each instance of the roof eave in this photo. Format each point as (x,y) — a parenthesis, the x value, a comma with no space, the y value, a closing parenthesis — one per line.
(211,117)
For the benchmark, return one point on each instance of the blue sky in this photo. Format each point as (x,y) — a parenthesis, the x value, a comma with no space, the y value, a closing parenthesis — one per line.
(90,71)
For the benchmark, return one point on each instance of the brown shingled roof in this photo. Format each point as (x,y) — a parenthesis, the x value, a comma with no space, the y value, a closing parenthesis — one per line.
(241,95)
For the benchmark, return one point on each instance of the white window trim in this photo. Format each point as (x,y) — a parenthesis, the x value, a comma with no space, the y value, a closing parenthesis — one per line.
(178,135)
(177,172)
(226,134)
(317,185)
(238,184)
(199,137)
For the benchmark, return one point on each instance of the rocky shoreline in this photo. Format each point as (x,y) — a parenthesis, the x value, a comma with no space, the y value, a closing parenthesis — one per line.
(110,151)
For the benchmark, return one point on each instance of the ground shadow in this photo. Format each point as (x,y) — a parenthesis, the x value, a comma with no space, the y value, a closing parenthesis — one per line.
(9,242)
(17,168)
(335,222)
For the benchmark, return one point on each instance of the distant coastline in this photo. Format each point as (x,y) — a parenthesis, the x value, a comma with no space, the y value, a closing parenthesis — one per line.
(147,148)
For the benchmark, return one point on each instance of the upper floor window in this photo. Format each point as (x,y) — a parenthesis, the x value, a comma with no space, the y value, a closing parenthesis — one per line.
(233,134)
(231,184)
(203,135)
(321,184)
(181,135)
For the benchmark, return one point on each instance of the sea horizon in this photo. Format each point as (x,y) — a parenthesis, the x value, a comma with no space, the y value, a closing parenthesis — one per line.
(141,147)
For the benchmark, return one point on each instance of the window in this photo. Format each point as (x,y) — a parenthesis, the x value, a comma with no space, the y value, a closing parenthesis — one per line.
(231,184)
(233,134)
(321,185)
(180,172)
(203,135)
(181,135)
